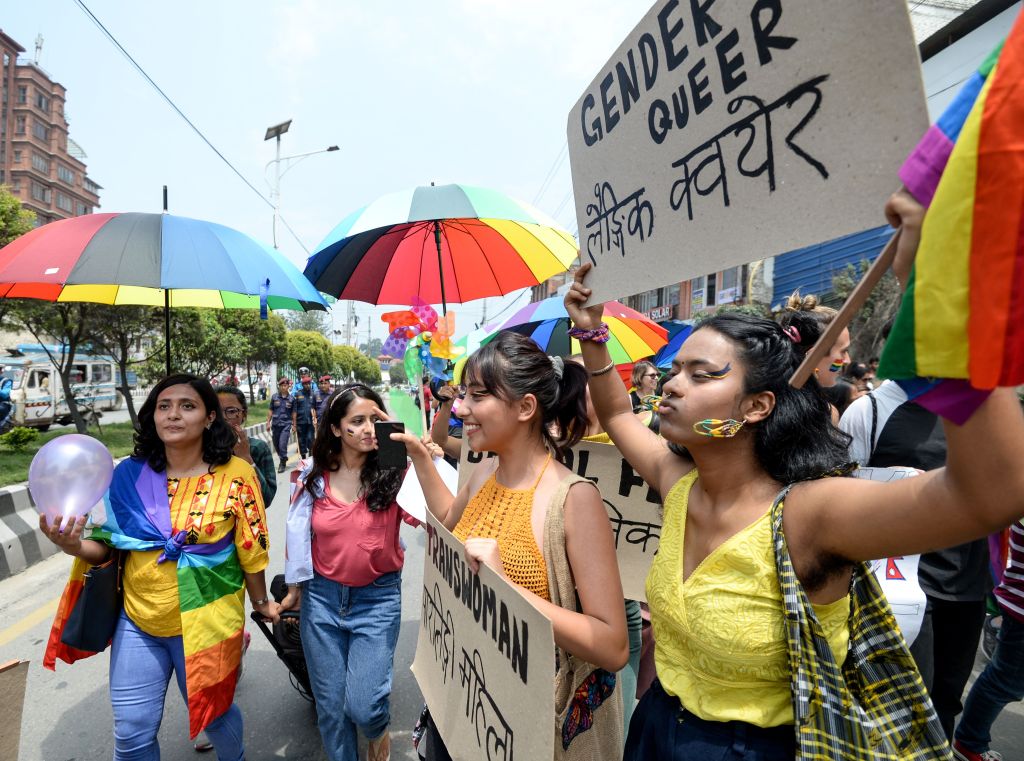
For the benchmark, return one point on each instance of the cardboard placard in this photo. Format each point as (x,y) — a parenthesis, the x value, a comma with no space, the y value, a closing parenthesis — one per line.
(485,659)
(634,508)
(12,690)
(723,132)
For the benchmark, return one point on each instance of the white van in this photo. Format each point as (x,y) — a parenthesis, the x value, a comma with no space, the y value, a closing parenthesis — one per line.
(38,397)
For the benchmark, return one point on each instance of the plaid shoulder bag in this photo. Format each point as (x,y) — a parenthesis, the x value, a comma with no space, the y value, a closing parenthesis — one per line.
(874,707)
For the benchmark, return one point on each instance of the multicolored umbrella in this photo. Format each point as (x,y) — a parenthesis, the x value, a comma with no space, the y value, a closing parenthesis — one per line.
(137,258)
(633,336)
(444,245)
(151,260)
(678,332)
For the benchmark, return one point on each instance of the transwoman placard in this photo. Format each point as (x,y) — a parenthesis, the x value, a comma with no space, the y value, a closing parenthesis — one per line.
(485,659)
(723,132)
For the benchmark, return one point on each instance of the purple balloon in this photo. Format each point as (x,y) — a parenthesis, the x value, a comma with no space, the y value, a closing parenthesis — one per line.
(69,475)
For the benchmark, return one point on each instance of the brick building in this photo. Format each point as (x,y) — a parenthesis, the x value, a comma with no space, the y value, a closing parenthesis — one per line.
(40,164)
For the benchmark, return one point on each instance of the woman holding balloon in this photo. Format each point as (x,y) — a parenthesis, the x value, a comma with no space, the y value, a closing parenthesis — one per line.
(188,518)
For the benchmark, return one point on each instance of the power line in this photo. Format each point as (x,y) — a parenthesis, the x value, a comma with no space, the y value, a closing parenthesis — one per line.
(109,35)
(555,166)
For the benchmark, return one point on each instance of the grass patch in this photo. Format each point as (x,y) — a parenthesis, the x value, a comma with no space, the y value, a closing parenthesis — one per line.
(116,437)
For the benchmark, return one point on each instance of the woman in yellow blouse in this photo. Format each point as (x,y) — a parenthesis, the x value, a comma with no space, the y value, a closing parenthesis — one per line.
(735,433)
(190,519)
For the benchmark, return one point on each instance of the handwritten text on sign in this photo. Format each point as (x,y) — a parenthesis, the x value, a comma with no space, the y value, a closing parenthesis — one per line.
(722,132)
(485,659)
(634,508)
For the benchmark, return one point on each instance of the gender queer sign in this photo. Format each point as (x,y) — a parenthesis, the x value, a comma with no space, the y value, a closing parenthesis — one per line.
(723,132)
(634,508)
(485,659)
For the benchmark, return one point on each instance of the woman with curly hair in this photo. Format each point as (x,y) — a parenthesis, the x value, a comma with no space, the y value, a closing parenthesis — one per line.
(344,567)
(188,519)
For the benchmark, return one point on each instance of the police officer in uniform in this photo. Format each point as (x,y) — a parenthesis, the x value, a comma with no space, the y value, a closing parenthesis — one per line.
(307,400)
(281,417)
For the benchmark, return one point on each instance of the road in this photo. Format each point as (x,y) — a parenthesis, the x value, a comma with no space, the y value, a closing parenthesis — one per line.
(68,716)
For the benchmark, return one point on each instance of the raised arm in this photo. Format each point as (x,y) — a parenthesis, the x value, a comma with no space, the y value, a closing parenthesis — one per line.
(450,445)
(643,449)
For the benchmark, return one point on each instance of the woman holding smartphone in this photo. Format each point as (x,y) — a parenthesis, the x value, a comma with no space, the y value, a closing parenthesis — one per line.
(344,554)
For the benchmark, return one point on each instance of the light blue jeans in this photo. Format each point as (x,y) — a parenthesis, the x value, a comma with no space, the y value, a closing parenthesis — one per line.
(140,670)
(349,636)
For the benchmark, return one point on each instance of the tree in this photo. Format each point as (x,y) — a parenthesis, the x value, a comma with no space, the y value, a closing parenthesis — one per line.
(396,372)
(367,370)
(315,321)
(117,330)
(59,328)
(309,349)
(871,320)
(200,345)
(14,222)
(265,341)
(345,360)
(373,348)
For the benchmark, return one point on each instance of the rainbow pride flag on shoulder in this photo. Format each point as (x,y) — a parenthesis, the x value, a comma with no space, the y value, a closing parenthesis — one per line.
(960,329)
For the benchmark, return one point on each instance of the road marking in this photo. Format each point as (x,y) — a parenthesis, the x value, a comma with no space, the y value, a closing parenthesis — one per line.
(18,628)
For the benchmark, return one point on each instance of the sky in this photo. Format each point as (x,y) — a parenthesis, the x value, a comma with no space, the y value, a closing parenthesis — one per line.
(469,91)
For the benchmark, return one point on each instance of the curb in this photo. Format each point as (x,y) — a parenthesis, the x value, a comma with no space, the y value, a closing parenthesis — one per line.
(21,543)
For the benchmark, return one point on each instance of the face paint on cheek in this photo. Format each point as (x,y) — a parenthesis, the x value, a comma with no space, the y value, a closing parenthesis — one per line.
(351,432)
(836,367)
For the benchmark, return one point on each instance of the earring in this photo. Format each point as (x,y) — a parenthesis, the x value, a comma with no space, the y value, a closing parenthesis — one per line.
(718,429)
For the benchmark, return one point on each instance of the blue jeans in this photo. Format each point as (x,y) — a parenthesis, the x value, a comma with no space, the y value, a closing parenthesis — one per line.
(348,637)
(1000,683)
(662,729)
(628,675)
(140,670)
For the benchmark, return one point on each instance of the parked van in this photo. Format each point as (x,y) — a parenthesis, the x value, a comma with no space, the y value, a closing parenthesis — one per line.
(38,396)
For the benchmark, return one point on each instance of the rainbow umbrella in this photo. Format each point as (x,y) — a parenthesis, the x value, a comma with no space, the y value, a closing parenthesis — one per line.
(151,260)
(444,244)
(633,336)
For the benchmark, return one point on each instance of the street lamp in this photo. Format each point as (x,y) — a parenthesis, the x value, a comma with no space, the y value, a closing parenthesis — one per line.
(275,133)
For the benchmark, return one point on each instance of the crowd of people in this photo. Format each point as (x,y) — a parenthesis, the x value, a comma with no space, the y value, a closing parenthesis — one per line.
(766,619)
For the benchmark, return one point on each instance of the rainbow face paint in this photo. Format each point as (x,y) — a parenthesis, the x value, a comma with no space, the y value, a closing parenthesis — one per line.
(718,374)
(352,432)
(836,367)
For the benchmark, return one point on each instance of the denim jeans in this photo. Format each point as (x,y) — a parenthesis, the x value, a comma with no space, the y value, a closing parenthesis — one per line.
(140,670)
(1000,683)
(627,676)
(662,729)
(348,637)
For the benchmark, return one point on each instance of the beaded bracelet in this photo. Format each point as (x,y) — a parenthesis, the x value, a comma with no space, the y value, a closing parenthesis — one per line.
(598,335)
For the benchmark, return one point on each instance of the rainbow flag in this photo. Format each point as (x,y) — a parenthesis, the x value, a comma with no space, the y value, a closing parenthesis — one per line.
(209,574)
(962,316)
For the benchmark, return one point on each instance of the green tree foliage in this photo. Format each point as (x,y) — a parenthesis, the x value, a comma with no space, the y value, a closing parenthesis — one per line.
(314,321)
(345,360)
(18,439)
(14,222)
(396,372)
(200,344)
(871,320)
(265,341)
(61,329)
(117,330)
(307,348)
(373,348)
(367,370)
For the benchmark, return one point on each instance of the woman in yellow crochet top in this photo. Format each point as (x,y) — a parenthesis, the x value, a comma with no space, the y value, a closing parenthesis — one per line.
(516,396)
(734,433)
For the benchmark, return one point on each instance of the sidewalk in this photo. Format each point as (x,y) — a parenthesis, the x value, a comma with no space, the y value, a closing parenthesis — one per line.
(21,543)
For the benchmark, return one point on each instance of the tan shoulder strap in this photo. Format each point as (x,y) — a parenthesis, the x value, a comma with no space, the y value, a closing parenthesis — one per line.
(561,585)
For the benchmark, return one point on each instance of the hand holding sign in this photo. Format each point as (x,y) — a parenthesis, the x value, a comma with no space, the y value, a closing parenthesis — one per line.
(584,318)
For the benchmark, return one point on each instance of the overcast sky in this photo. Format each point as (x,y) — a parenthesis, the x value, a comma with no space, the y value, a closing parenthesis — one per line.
(470,91)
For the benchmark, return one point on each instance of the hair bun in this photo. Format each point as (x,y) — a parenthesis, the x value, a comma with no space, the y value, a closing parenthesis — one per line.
(798,303)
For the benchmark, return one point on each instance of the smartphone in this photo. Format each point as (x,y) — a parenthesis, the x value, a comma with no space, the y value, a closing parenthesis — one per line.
(390,454)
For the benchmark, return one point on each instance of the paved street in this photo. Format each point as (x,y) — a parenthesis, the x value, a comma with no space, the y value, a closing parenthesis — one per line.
(68,717)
